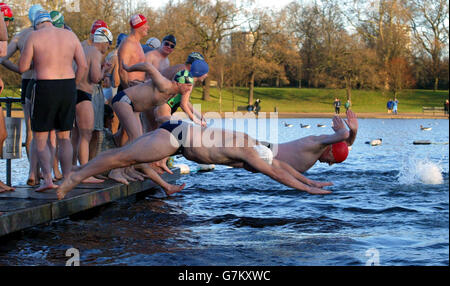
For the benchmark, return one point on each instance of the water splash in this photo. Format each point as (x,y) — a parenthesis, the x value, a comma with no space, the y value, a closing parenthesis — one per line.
(420,171)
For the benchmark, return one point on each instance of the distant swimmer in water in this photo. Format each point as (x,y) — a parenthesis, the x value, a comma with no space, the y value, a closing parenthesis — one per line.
(188,139)
(303,153)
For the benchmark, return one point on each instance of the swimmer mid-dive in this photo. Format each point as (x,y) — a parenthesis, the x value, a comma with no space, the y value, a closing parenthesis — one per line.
(187,139)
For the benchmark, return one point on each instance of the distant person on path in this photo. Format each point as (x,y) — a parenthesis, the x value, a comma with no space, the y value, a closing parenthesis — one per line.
(54,98)
(395,106)
(389,106)
(446,106)
(347,105)
(257,106)
(337,105)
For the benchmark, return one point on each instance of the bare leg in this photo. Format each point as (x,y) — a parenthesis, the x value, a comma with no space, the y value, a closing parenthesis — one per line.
(5,188)
(65,151)
(55,161)
(29,133)
(45,160)
(85,124)
(34,174)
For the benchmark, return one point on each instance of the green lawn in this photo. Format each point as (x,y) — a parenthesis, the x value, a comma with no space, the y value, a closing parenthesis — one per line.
(309,99)
(321,100)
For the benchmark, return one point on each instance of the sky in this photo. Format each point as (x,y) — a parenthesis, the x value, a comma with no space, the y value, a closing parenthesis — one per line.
(272,4)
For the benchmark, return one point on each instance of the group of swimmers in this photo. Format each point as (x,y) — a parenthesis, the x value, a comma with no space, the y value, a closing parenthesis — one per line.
(66,98)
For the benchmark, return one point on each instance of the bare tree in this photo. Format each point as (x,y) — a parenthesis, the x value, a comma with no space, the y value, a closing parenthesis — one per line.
(429,22)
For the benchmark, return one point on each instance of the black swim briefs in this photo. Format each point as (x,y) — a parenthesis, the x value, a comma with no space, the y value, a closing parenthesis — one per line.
(122,96)
(53,105)
(82,96)
(169,126)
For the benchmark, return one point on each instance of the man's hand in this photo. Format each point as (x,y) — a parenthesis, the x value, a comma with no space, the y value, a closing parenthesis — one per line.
(318,184)
(318,191)
(352,120)
(338,124)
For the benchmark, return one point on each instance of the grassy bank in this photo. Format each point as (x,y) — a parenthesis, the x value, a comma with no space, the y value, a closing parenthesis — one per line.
(309,99)
(320,100)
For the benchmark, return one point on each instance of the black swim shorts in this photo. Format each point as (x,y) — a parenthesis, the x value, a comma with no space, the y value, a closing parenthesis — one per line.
(169,126)
(53,105)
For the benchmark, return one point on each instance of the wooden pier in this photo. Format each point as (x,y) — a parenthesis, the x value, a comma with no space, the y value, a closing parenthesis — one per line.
(25,207)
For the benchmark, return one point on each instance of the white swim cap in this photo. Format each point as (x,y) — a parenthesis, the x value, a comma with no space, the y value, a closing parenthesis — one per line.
(264,153)
(103,35)
(153,42)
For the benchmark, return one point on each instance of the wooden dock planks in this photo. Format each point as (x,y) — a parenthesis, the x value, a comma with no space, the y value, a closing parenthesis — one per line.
(25,207)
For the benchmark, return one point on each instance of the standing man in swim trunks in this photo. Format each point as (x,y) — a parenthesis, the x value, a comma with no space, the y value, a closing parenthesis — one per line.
(84,108)
(17,43)
(54,98)
(159,59)
(3,133)
(131,52)
(200,145)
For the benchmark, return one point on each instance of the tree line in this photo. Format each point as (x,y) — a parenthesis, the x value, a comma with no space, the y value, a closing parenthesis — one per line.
(387,45)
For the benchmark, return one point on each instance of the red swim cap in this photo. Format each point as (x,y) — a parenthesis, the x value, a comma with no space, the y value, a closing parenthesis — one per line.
(340,151)
(137,21)
(98,24)
(6,11)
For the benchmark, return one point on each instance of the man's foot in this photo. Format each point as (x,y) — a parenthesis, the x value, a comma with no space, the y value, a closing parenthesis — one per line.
(5,188)
(118,176)
(92,180)
(45,187)
(67,185)
(32,182)
(133,173)
(172,189)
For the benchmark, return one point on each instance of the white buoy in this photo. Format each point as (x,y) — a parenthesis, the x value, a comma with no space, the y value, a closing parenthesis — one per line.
(184,169)
(375,142)
(206,167)
(425,128)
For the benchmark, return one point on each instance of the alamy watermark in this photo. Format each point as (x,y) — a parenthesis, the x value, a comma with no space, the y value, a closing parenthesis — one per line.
(373,257)
(74,255)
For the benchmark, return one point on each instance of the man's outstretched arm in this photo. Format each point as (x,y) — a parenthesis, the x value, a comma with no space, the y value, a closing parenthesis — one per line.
(286,167)
(161,83)
(280,175)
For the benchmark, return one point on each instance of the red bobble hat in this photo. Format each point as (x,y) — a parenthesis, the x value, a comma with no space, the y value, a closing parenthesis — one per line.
(137,21)
(6,11)
(98,24)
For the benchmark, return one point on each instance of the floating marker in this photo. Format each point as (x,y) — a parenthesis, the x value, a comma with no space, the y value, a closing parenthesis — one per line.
(184,169)
(206,167)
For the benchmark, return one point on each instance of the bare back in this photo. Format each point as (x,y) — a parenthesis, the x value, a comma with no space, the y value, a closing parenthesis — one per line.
(92,56)
(53,52)
(302,153)
(18,44)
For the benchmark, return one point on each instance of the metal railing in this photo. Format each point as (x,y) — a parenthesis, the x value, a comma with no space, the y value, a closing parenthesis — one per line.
(9,101)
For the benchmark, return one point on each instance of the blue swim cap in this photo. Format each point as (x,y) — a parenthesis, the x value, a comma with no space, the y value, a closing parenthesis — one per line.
(33,10)
(199,68)
(41,16)
(194,56)
(120,38)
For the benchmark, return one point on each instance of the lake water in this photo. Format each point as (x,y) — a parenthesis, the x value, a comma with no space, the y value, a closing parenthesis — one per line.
(389,206)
